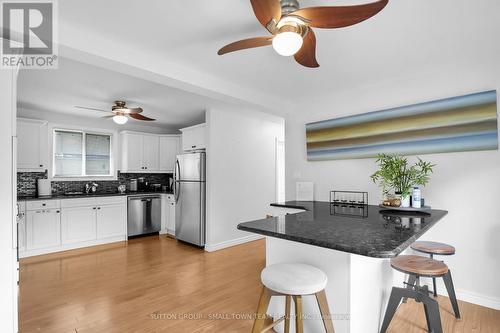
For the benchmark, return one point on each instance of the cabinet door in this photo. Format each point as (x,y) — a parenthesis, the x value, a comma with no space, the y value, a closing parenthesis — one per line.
(151,152)
(193,138)
(43,229)
(78,224)
(169,148)
(32,145)
(171,217)
(111,221)
(132,152)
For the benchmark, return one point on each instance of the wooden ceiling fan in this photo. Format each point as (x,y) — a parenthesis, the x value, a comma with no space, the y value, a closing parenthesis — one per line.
(291,26)
(121,113)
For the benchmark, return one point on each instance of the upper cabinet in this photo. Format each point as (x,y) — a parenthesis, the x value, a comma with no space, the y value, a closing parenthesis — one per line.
(169,148)
(148,153)
(32,145)
(194,137)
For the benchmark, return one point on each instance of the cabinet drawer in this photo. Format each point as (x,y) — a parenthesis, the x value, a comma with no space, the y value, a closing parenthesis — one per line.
(81,202)
(42,204)
(121,200)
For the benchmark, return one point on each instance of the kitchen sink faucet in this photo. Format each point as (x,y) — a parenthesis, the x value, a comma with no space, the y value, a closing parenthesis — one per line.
(91,187)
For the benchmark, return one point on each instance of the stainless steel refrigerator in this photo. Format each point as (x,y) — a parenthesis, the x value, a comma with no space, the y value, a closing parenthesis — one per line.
(189,191)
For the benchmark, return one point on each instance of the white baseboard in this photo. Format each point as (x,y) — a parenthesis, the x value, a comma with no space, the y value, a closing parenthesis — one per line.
(475,298)
(468,296)
(233,242)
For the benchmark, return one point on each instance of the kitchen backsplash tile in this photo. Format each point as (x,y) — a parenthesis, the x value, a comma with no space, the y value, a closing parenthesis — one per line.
(26,182)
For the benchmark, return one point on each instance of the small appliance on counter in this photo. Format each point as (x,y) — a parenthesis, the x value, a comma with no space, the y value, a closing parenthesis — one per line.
(133,185)
(122,188)
(142,184)
(44,187)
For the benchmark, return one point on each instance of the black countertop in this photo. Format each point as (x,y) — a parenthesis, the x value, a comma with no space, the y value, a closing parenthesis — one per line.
(370,231)
(91,195)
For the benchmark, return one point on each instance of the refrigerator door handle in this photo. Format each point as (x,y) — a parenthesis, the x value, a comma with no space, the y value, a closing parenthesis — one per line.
(177,178)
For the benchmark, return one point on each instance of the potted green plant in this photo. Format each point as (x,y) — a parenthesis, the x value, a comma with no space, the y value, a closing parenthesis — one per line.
(396,174)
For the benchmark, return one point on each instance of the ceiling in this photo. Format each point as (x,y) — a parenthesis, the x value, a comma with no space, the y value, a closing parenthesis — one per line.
(75,83)
(406,37)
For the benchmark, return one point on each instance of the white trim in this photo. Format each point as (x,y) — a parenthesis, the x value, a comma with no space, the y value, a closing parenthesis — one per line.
(475,298)
(193,127)
(233,242)
(467,296)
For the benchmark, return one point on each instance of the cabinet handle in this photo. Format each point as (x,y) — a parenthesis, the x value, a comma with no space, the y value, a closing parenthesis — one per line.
(98,207)
(44,205)
(193,146)
(94,208)
(58,211)
(41,165)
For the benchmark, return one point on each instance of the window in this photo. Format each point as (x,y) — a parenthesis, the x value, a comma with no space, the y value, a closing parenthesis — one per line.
(81,154)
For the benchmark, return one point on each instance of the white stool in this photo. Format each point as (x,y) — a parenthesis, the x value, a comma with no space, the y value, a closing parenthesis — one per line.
(292,280)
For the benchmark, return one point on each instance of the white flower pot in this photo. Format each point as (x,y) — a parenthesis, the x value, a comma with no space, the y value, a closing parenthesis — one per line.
(405,202)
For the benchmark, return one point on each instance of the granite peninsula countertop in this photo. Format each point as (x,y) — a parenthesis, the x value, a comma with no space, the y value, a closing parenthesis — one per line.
(370,231)
(92,195)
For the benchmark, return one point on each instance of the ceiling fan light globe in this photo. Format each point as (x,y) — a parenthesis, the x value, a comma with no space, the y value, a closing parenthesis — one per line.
(120,120)
(287,43)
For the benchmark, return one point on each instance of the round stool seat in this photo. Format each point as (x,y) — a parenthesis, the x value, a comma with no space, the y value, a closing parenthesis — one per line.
(433,248)
(294,279)
(418,265)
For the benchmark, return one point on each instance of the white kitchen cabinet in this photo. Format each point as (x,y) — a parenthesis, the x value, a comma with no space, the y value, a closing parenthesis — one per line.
(151,152)
(78,224)
(132,152)
(169,149)
(43,229)
(32,145)
(140,152)
(167,214)
(171,215)
(59,225)
(112,221)
(194,137)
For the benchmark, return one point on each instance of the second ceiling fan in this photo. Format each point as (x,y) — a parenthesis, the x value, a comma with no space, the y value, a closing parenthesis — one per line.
(291,26)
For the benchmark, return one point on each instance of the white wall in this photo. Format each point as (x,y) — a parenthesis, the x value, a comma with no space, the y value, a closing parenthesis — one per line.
(8,312)
(465,184)
(240,171)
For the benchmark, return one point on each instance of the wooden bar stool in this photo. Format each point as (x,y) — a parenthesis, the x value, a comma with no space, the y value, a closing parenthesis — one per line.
(417,267)
(433,248)
(292,280)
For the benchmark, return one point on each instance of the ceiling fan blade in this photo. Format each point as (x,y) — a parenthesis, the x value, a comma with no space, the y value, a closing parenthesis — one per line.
(140,117)
(93,109)
(340,16)
(126,110)
(266,11)
(246,44)
(307,54)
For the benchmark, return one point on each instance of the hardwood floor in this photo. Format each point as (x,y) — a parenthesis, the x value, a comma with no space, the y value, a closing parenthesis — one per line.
(148,284)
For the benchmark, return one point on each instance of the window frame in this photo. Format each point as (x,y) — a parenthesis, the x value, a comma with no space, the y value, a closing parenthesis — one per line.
(112,154)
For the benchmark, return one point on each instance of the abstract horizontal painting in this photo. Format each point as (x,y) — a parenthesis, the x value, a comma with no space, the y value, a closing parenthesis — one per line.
(457,124)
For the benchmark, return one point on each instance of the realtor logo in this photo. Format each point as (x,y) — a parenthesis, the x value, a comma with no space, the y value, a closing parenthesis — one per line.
(29,35)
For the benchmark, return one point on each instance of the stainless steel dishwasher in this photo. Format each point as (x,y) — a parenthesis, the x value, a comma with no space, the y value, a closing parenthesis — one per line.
(143,215)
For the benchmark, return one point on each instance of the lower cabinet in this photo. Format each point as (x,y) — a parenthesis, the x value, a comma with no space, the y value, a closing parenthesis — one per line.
(43,229)
(168,214)
(110,221)
(171,216)
(78,224)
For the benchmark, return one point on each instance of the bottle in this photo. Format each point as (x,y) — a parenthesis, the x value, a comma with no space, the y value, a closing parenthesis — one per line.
(416,198)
